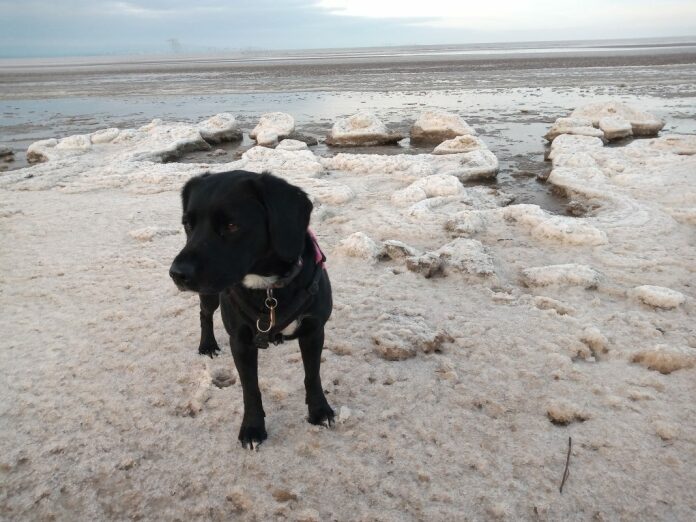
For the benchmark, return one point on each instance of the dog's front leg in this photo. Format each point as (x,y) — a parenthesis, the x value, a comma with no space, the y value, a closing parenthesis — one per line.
(311,346)
(208,345)
(253,429)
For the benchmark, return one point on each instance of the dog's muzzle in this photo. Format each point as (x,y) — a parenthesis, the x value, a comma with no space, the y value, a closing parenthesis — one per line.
(182,274)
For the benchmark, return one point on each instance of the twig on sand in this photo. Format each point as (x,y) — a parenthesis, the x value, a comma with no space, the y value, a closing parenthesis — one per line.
(566,472)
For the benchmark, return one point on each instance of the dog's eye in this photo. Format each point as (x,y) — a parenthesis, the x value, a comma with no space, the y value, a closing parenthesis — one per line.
(231,228)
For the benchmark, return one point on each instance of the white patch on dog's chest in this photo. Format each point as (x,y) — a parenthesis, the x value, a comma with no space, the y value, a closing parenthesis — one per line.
(258,281)
(290,329)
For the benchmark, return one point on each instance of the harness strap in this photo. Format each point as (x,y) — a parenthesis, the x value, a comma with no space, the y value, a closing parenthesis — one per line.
(286,314)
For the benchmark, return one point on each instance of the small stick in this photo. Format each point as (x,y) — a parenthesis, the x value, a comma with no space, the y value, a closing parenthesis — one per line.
(566,472)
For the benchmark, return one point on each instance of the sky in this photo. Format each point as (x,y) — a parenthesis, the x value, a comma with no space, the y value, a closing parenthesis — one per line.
(108,27)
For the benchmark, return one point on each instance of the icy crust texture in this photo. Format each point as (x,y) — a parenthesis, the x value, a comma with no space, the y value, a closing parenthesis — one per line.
(609,121)
(139,160)
(471,336)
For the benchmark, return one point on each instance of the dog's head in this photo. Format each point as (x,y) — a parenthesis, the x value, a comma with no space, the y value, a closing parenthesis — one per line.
(238,223)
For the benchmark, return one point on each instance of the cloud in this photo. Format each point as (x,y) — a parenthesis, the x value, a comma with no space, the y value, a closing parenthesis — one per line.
(515,15)
(65,27)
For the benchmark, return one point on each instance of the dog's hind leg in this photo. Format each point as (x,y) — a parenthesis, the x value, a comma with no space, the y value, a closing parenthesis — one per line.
(208,345)
(311,345)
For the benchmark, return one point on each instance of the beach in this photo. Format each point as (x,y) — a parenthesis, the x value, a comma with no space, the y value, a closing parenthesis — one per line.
(564,307)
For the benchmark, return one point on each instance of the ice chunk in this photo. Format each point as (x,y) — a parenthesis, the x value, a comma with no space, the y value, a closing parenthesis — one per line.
(363,128)
(400,336)
(288,144)
(39,150)
(465,143)
(104,135)
(563,412)
(78,142)
(278,124)
(615,127)
(438,126)
(219,128)
(427,187)
(658,296)
(477,164)
(359,245)
(267,138)
(428,264)
(466,255)
(665,360)
(289,163)
(158,141)
(573,126)
(574,231)
(570,274)
(394,249)
(642,123)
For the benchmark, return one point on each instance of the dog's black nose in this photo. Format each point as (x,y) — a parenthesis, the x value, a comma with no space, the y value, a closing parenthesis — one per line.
(181,273)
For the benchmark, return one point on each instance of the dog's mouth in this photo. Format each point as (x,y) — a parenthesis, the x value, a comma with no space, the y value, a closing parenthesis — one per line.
(187,283)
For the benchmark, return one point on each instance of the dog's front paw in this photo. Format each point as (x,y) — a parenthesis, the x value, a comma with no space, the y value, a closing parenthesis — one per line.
(321,415)
(209,348)
(251,436)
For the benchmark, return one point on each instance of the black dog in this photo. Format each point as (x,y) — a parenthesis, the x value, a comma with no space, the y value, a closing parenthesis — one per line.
(249,250)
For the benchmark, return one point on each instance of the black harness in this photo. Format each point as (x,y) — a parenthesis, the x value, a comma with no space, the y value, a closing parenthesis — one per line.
(269,323)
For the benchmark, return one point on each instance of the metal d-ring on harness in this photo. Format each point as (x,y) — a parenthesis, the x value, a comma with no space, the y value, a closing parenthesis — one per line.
(271,303)
(293,309)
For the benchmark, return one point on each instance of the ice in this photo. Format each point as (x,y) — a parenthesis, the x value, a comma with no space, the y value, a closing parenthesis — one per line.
(288,144)
(361,129)
(477,164)
(327,191)
(678,144)
(219,128)
(665,360)
(399,336)
(438,126)
(564,412)
(466,255)
(573,126)
(539,223)
(293,164)
(642,123)
(394,249)
(428,187)
(615,127)
(272,127)
(571,274)
(359,245)
(460,144)
(658,296)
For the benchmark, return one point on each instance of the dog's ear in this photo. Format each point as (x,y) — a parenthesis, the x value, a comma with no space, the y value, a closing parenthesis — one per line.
(288,209)
(188,188)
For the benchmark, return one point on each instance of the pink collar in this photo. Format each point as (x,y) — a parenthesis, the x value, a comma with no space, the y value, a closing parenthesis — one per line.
(319,257)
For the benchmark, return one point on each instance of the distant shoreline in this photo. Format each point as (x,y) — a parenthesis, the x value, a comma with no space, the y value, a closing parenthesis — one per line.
(474,51)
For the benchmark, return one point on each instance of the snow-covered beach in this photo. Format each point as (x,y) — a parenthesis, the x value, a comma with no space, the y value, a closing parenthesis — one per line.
(474,331)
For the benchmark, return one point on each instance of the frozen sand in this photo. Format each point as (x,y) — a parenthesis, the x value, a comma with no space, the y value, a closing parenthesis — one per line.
(109,413)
